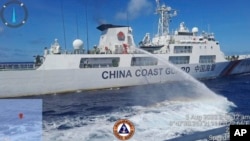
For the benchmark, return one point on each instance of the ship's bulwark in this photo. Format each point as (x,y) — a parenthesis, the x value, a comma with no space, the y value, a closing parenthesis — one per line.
(37,82)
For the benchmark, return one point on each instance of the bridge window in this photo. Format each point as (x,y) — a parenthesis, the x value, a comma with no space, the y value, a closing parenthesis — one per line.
(99,62)
(144,61)
(207,59)
(179,59)
(16,66)
(183,49)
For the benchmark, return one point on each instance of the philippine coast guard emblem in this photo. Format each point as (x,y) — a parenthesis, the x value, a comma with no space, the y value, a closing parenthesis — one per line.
(124,129)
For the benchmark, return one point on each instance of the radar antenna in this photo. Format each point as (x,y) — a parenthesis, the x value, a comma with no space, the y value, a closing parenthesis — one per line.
(165,14)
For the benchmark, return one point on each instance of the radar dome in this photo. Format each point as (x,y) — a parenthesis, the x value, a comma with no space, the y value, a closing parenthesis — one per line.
(169,8)
(195,30)
(78,44)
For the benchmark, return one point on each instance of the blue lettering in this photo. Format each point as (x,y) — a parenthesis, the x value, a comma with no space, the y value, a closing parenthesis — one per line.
(156,71)
(186,69)
(112,74)
(129,74)
(144,72)
(150,72)
(160,70)
(105,75)
(137,73)
(122,74)
(169,71)
(116,74)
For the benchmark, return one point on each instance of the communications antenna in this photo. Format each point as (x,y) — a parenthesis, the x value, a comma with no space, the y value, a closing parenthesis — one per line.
(165,15)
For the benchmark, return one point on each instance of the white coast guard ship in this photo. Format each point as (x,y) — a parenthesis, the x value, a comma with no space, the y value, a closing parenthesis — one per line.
(116,62)
(197,54)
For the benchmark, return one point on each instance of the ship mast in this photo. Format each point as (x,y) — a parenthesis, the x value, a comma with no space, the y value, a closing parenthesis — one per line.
(165,14)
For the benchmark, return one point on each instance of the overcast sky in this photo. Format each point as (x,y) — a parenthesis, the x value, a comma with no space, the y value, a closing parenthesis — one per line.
(228,20)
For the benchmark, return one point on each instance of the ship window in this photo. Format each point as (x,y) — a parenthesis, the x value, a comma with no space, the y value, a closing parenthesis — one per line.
(118,49)
(17,66)
(99,62)
(179,59)
(207,59)
(183,49)
(185,33)
(144,61)
(211,39)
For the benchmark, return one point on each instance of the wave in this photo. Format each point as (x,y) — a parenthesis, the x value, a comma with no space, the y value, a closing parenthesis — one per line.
(159,112)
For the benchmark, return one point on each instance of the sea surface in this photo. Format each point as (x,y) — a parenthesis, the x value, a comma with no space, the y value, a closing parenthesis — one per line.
(21,119)
(159,112)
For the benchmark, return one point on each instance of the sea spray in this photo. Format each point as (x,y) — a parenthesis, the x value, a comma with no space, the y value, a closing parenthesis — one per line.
(187,92)
(158,111)
(155,114)
(199,88)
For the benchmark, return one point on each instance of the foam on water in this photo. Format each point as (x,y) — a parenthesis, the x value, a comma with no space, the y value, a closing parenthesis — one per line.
(155,121)
(182,101)
(28,128)
(27,132)
(151,123)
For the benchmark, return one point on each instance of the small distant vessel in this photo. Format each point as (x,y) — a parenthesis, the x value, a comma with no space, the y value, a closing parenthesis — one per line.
(116,62)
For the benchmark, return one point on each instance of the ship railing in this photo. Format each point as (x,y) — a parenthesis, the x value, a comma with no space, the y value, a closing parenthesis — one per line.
(17,66)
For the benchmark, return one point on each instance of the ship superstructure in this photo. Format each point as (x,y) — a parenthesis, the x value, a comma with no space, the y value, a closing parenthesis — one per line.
(183,46)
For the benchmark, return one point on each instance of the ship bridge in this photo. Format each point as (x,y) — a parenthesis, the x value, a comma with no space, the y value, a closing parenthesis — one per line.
(115,39)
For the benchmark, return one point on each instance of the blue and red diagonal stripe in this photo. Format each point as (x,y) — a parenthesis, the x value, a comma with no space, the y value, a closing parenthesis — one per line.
(229,68)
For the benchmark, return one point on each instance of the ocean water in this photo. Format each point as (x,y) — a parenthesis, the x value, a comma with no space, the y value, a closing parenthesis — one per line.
(21,119)
(159,112)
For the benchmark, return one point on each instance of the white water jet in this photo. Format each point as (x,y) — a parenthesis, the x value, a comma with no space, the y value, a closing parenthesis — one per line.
(155,121)
(206,92)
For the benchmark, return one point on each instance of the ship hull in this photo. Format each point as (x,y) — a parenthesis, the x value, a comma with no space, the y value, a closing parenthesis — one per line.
(38,82)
